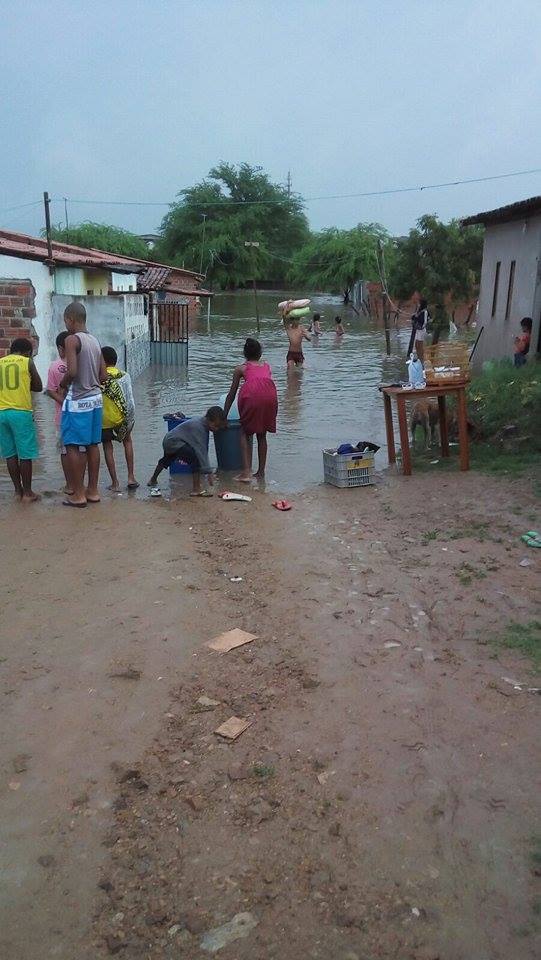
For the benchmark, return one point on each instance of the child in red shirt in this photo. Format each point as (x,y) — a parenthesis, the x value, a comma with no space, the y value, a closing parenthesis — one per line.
(522,343)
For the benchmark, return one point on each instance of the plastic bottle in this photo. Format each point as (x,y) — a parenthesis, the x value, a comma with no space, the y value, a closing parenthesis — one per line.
(416,374)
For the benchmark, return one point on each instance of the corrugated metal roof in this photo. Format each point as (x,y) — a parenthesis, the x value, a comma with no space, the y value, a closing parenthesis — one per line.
(513,211)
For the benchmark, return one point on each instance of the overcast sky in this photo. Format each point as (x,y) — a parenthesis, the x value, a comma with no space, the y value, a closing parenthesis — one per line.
(136,99)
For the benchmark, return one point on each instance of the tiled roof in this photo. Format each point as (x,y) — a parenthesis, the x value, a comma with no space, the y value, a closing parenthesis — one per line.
(66,254)
(513,211)
(153,278)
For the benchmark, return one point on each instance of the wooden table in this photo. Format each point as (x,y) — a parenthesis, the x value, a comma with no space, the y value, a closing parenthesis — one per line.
(441,391)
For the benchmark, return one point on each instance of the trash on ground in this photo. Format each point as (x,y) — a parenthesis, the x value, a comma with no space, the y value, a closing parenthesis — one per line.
(205,703)
(518,685)
(323,777)
(282,505)
(236,929)
(525,563)
(532,538)
(235,496)
(389,644)
(434,461)
(233,728)
(231,639)
(155,492)
(235,579)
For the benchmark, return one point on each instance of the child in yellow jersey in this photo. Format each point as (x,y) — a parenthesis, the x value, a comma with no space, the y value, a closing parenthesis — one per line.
(118,418)
(18,441)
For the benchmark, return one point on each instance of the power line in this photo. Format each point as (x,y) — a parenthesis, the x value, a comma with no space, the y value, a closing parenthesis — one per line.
(336,196)
(20,206)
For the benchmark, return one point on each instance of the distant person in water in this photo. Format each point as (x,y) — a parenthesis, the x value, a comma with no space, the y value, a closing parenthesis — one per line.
(18,441)
(258,406)
(296,334)
(316,325)
(522,343)
(339,327)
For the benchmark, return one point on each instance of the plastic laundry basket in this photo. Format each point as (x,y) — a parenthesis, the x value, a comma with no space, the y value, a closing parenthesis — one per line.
(349,469)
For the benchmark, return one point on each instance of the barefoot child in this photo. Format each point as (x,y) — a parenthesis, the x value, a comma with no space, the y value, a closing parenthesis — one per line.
(258,406)
(55,375)
(18,442)
(118,418)
(189,442)
(296,334)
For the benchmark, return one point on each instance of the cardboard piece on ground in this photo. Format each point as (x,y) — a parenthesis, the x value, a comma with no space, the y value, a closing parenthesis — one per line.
(233,728)
(230,640)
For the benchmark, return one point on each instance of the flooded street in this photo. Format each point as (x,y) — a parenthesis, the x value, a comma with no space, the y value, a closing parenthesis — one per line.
(333,400)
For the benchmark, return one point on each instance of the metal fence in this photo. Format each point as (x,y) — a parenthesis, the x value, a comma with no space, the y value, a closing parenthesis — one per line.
(168,321)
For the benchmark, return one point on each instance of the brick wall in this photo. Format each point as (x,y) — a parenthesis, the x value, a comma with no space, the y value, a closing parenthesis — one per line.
(17,311)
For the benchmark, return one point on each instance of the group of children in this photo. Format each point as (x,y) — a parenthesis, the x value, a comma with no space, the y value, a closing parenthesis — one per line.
(93,405)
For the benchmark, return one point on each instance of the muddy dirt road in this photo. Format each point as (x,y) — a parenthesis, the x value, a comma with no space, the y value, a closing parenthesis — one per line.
(382,801)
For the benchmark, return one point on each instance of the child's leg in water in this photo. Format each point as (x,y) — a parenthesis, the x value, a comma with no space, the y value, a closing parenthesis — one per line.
(246,451)
(261,455)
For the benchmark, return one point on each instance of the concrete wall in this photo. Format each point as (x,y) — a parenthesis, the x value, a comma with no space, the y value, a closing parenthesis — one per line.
(116,321)
(124,282)
(69,280)
(104,318)
(520,241)
(40,278)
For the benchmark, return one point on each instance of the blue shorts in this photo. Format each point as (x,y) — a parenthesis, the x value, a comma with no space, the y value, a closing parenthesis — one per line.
(18,435)
(80,425)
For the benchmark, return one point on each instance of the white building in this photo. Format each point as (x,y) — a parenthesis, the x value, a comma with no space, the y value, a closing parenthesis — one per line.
(510,278)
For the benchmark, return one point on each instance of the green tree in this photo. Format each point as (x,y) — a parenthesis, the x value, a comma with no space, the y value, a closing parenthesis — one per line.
(334,259)
(442,261)
(207,228)
(102,236)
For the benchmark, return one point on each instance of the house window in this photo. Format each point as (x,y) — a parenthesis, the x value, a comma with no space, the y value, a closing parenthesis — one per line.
(496,284)
(510,289)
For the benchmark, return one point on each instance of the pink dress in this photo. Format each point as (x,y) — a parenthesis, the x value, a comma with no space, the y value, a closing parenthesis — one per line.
(258,400)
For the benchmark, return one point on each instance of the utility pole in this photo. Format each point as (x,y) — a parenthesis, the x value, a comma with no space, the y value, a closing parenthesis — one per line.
(204,215)
(47,204)
(67,221)
(254,244)
(289,184)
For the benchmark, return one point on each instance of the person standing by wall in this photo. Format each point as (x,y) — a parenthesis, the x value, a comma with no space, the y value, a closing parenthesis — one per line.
(522,343)
(18,441)
(81,421)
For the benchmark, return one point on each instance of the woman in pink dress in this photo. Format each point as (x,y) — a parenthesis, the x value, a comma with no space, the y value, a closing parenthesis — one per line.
(258,406)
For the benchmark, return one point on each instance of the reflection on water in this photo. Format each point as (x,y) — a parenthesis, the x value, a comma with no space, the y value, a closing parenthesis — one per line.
(332,400)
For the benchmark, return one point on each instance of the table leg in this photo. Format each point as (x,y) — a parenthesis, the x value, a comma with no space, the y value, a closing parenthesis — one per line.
(389,428)
(463,438)
(444,434)
(404,436)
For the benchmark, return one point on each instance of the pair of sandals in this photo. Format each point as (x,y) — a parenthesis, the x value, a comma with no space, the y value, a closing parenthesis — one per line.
(532,538)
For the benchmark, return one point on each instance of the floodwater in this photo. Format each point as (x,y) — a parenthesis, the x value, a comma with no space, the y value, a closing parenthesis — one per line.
(333,400)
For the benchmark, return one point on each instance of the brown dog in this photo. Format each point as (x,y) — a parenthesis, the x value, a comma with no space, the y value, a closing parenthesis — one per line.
(425,414)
